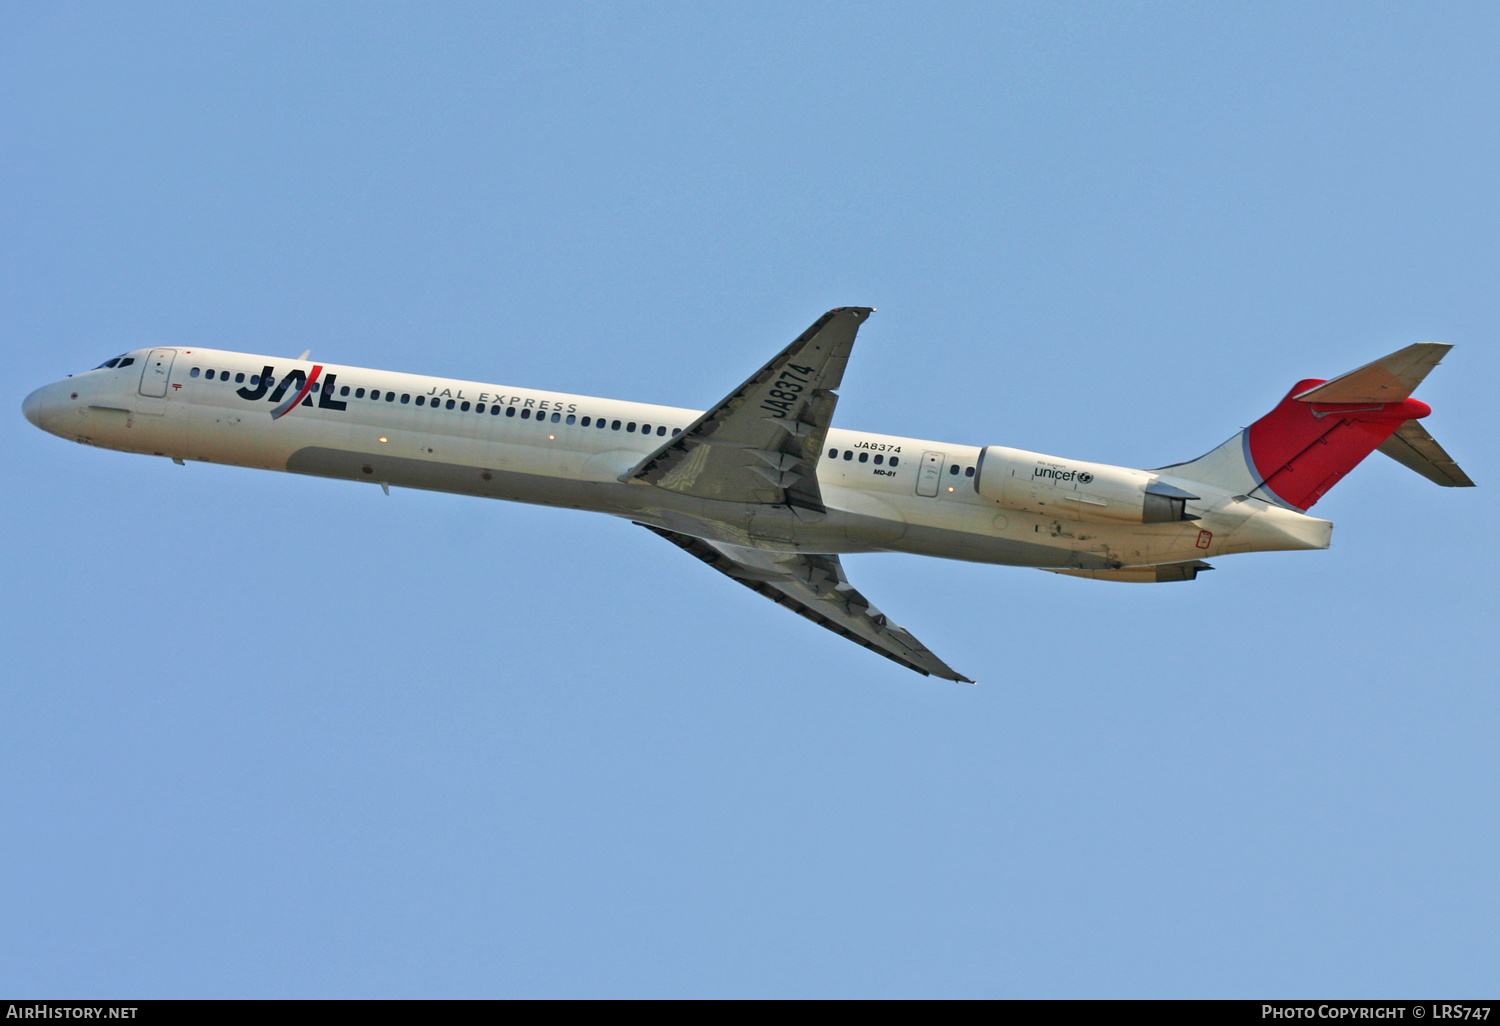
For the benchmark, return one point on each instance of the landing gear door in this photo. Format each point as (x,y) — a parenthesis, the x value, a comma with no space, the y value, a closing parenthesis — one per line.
(929,474)
(157,370)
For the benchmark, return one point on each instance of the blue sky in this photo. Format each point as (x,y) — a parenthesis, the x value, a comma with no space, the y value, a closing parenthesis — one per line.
(276,736)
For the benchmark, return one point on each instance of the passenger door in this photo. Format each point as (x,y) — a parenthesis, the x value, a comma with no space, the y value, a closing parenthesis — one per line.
(156,372)
(929,474)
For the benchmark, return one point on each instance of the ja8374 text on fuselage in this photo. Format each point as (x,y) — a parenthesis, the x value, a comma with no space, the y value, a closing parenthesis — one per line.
(761,486)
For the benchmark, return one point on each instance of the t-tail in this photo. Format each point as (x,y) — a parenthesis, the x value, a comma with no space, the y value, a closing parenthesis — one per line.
(1322,430)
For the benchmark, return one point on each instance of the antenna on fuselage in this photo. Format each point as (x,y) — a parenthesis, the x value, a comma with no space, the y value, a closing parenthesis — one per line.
(305,354)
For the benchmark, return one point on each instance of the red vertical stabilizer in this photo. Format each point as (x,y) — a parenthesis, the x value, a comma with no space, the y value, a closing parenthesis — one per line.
(1301,449)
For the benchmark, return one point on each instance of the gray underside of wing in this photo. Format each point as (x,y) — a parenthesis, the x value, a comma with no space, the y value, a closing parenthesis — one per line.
(815,587)
(762,442)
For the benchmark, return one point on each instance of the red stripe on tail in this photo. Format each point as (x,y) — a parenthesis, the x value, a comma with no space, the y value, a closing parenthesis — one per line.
(1300,450)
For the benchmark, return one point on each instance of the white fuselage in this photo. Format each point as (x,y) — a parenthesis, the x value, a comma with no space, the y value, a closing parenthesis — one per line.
(882,493)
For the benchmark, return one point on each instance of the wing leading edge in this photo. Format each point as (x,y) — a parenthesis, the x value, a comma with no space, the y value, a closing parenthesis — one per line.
(815,587)
(762,442)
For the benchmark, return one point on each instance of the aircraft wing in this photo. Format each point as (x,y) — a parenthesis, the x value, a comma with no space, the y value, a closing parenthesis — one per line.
(762,442)
(815,587)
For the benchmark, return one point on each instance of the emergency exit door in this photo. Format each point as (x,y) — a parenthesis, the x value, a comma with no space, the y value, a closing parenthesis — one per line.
(929,474)
(157,370)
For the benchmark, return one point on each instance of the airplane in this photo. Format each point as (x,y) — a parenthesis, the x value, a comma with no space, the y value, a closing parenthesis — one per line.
(761,486)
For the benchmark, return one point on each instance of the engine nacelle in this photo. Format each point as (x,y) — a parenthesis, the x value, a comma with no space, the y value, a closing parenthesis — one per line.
(1074,490)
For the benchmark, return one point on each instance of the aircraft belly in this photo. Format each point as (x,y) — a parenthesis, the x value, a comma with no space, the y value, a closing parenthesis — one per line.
(1047,550)
(460,478)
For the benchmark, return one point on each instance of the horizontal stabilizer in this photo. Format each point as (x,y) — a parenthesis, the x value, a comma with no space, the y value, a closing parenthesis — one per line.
(1157,574)
(1389,379)
(1411,446)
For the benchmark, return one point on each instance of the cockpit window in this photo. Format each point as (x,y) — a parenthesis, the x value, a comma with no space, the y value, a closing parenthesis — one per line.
(114,362)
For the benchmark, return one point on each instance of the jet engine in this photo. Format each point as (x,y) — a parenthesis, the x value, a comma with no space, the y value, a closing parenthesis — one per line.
(1074,490)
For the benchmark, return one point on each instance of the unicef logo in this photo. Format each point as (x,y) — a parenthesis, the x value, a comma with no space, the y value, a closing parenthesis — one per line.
(1057,475)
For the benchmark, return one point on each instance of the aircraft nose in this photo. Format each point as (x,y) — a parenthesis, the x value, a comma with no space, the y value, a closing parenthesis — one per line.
(31,406)
(47,406)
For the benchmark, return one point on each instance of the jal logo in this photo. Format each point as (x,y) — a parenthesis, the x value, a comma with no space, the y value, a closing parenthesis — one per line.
(1057,475)
(291,390)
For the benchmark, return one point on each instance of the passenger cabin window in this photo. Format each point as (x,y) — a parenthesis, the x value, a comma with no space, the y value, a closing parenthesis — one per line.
(848,454)
(895,460)
(525,414)
(833,454)
(239,379)
(421,399)
(344,390)
(572,419)
(463,407)
(864,457)
(193,373)
(676,432)
(359,393)
(510,411)
(615,426)
(448,405)
(390,397)
(406,397)
(879,460)
(968,472)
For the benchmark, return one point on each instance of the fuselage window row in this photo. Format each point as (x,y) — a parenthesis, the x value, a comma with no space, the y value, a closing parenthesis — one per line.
(463,406)
(864,457)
